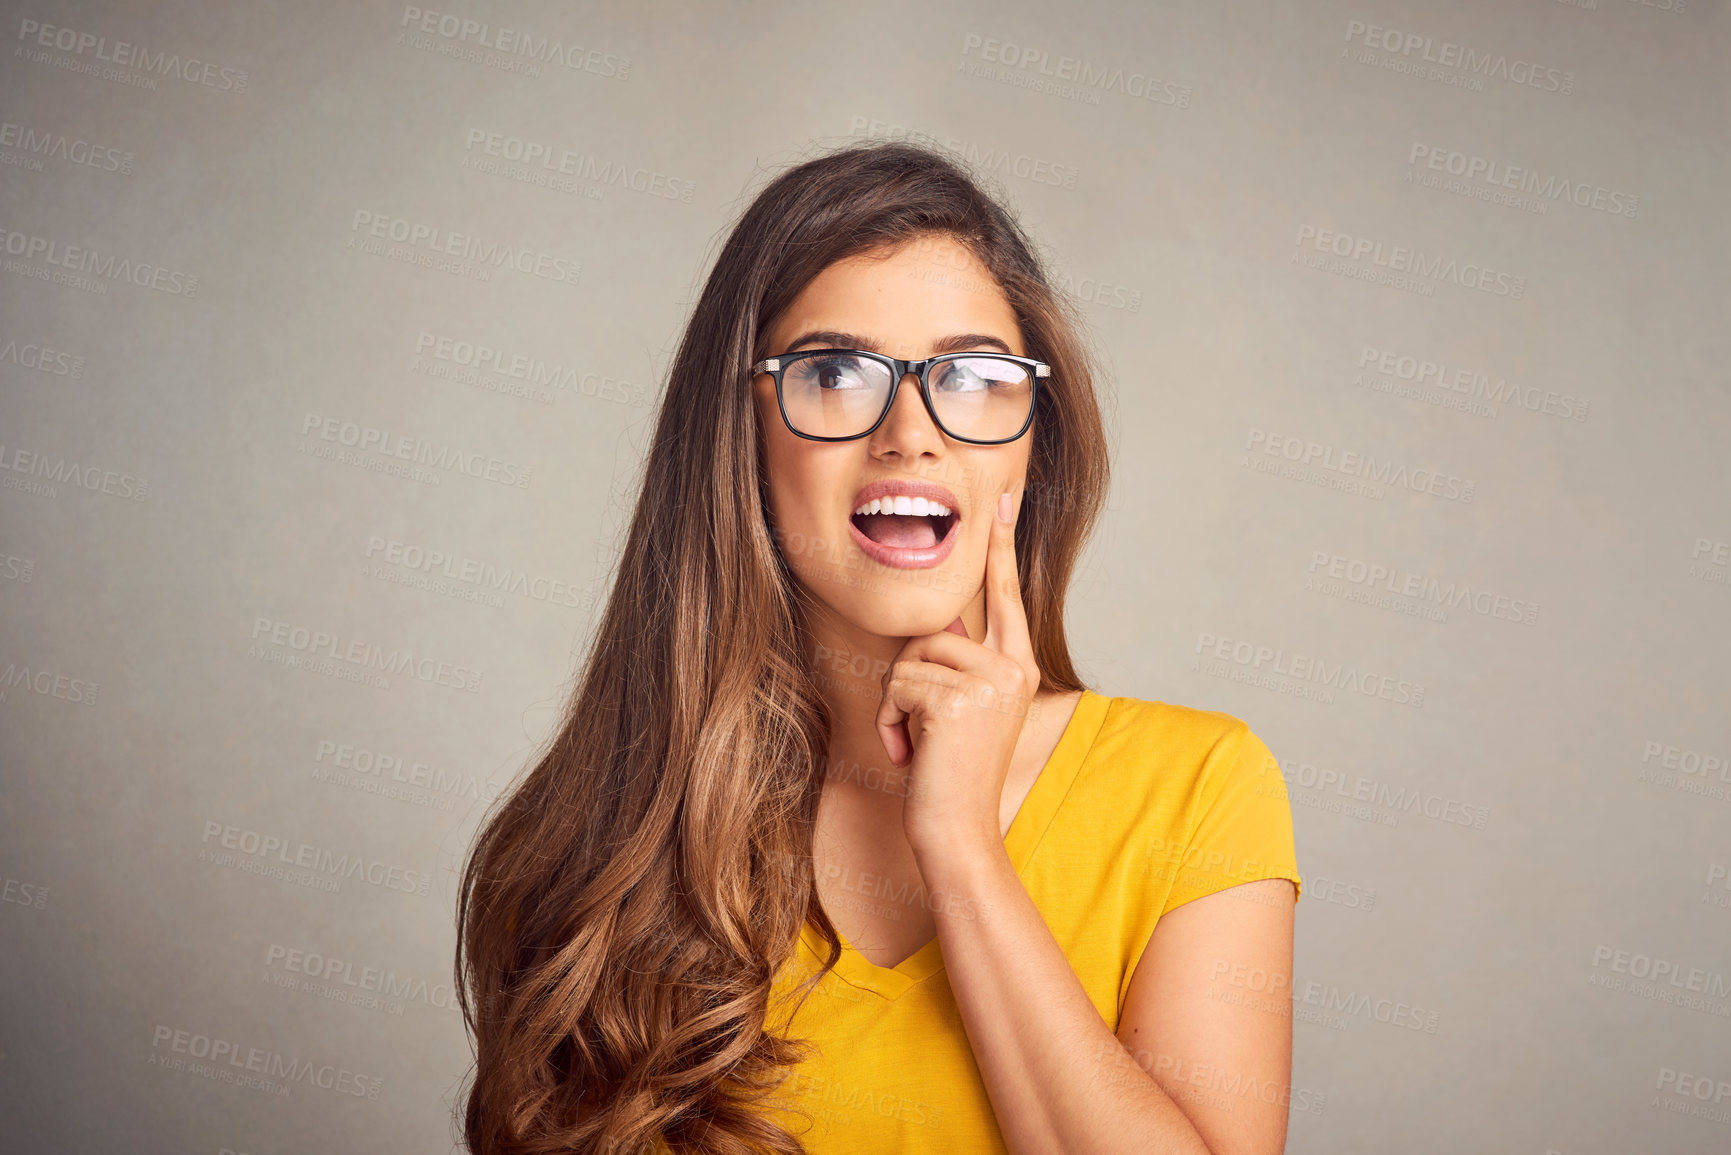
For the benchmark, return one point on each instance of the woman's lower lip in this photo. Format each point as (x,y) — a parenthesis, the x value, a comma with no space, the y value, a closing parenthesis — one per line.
(889,555)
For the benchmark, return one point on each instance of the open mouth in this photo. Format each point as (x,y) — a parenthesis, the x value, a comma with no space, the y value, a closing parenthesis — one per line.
(904,530)
(905,524)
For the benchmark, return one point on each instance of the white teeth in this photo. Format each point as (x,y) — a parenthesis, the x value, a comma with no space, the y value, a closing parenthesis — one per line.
(907,506)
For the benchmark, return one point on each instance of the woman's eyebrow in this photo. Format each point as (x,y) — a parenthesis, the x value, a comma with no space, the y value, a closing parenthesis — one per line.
(955,343)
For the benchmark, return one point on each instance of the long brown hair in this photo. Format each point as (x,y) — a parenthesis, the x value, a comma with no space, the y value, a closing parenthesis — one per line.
(625,910)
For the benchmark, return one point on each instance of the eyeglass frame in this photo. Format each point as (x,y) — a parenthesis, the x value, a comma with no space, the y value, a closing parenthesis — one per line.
(776,366)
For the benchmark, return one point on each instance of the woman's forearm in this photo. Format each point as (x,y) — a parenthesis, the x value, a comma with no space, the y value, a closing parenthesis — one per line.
(1058,1078)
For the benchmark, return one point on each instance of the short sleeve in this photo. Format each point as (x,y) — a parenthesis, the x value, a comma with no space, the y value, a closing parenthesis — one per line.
(1243,830)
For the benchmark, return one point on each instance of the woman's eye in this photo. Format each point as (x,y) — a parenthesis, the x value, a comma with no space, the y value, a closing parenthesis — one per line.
(958,381)
(959,378)
(833,372)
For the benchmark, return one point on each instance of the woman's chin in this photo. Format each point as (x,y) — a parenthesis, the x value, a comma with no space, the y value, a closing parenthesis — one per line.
(893,604)
(904,617)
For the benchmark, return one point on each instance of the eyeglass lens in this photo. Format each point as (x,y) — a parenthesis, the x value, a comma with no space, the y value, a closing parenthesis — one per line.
(841,395)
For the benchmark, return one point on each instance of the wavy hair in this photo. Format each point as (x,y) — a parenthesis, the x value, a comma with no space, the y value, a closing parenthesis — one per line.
(625,909)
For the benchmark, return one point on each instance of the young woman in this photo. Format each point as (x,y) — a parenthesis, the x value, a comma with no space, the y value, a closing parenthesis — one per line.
(834,851)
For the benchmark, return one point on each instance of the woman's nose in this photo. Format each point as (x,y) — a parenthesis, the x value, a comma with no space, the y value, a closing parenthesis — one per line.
(908,429)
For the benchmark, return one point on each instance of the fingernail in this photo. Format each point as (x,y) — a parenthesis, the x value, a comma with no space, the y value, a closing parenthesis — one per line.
(1004,507)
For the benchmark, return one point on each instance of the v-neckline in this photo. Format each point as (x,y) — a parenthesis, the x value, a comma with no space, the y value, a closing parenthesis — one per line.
(1026,830)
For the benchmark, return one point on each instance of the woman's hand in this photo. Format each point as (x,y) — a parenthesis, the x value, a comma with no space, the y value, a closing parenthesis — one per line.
(963,703)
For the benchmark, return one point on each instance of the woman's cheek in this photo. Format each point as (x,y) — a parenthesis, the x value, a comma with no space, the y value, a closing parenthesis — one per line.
(805,543)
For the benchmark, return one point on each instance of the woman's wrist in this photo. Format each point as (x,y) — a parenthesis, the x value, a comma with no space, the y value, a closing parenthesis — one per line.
(955,851)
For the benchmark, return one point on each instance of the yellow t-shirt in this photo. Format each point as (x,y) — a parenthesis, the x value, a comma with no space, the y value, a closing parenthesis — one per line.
(1142,806)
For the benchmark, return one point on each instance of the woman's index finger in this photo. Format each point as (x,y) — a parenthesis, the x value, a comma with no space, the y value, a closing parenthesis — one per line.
(1006,617)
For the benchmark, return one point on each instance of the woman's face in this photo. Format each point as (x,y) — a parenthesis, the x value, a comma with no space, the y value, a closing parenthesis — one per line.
(927,296)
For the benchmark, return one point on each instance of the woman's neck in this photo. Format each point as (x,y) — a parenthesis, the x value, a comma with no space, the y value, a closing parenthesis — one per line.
(849,664)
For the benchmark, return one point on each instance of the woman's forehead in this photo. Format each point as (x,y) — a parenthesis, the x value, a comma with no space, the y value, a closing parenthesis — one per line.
(902,301)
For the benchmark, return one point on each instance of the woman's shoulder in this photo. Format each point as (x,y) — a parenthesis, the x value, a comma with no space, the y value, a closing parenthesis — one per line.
(1168,748)
(1170,729)
(1192,777)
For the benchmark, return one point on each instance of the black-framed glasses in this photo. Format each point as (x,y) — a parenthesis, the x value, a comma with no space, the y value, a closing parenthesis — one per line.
(844,394)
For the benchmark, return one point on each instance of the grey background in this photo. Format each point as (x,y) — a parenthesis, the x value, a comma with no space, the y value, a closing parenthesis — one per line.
(1579,748)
